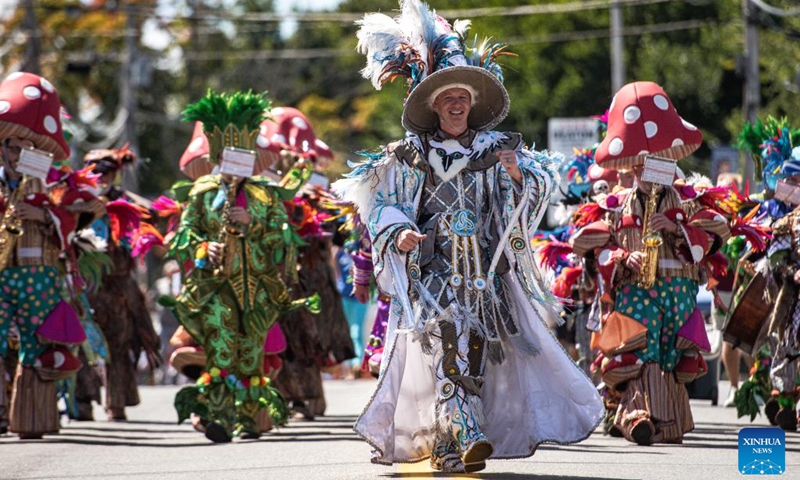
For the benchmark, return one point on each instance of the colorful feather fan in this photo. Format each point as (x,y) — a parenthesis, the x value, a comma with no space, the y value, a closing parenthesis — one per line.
(125,218)
(586,214)
(562,286)
(770,142)
(553,252)
(754,234)
(169,209)
(145,238)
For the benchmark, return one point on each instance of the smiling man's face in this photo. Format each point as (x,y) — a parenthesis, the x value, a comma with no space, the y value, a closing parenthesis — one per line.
(453,106)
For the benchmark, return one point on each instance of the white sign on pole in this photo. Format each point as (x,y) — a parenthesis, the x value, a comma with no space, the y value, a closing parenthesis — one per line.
(565,134)
(34,163)
(238,162)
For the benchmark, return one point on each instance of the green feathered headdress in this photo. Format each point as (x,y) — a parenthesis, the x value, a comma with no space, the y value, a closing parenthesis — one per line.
(770,142)
(229,120)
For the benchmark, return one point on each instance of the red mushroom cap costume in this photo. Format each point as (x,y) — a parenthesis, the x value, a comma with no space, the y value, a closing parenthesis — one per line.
(30,109)
(642,121)
(289,130)
(194,162)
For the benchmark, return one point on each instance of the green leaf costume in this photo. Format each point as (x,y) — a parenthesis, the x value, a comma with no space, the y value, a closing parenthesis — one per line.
(230,314)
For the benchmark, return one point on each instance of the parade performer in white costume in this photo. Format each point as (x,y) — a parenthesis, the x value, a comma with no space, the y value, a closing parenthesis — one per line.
(470,370)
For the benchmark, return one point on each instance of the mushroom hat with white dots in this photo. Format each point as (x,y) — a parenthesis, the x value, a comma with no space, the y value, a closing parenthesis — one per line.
(288,130)
(642,121)
(30,110)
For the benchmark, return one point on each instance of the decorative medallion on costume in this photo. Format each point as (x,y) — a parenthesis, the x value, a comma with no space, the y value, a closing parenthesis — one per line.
(451,215)
(652,338)
(773,146)
(234,293)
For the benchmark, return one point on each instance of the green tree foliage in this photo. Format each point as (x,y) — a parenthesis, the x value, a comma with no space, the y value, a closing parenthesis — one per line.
(692,48)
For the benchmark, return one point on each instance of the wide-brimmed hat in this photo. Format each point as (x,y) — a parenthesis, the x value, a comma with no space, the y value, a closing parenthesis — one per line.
(642,121)
(432,56)
(30,109)
(490,105)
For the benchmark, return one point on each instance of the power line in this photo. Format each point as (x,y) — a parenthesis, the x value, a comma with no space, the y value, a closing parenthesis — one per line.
(552,38)
(350,17)
(148,12)
(778,12)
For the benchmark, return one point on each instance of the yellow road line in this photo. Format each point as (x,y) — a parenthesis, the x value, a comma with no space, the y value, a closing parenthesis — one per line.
(423,470)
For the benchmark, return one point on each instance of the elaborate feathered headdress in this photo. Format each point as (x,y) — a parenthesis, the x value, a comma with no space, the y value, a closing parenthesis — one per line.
(772,145)
(229,120)
(432,55)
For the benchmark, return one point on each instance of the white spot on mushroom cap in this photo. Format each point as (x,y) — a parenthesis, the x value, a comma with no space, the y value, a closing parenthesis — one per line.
(278,111)
(650,129)
(300,123)
(14,76)
(58,359)
(262,141)
(688,125)
(644,152)
(319,143)
(661,101)
(631,114)
(677,142)
(615,146)
(196,145)
(47,85)
(31,92)
(697,253)
(50,124)
(278,138)
(5,106)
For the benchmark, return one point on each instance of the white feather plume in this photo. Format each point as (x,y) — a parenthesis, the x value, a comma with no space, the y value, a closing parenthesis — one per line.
(699,180)
(420,25)
(379,37)
(461,27)
(88,241)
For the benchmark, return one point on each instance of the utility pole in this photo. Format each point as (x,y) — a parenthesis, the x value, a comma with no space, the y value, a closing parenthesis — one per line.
(617,59)
(193,80)
(752,82)
(30,62)
(128,97)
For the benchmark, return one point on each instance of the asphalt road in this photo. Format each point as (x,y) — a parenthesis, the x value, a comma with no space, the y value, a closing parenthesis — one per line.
(152,446)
